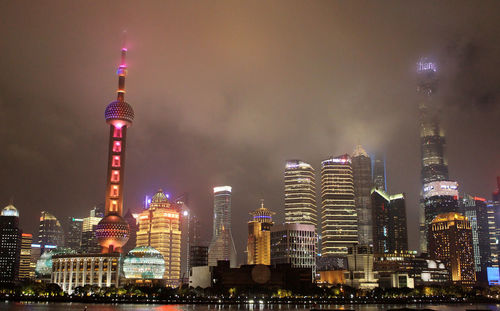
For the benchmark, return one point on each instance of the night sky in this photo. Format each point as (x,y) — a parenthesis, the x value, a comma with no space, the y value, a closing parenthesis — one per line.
(225,92)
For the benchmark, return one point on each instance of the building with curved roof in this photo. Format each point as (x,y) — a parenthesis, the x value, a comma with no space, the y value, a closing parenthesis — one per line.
(145,263)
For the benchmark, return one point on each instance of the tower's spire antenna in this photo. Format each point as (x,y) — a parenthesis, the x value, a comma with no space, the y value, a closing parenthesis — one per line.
(122,70)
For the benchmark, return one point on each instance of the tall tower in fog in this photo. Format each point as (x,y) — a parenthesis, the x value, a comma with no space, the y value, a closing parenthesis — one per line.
(300,193)
(362,174)
(433,162)
(259,236)
(113,231)
(339,219)
(434,166)
(378,173)
(222,244)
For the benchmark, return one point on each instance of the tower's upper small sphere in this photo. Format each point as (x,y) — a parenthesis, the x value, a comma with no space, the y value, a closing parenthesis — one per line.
(119,110)
(113,231)
(10,210)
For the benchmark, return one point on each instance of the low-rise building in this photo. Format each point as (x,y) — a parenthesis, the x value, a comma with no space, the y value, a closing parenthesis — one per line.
(71,271)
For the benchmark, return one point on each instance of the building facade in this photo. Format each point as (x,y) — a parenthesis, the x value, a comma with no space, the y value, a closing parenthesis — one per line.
(450,240)
(362,176)
(50,231)
(73,233)
(222,244)
(159,227)
(294,244)
(300,193)
(475,209)
(438,197)
(198,256)
(338,212)
(89,243)
(25,257)
(112,231)
(389,222)
(10,244)
(71,271)
(259,236)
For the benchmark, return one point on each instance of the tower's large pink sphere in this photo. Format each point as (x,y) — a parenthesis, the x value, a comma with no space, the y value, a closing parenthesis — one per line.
(119,110)
(112,232)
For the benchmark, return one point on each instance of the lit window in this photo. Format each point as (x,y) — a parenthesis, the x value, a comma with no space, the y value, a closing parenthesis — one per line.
(114,205)
(114,191)
(117,132)
(115,176)
(117,146)
(116,161)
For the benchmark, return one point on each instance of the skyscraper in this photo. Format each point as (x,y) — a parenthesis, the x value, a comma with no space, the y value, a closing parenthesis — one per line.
(389,222)
(259,236)
(362,176)
(159,227)
(73,233)
(438,197)
(89,242)
(50,231)
(450,240)
(378,173)
(475,209)
(222,245)
(300,193)
(112,231)
(25,257)
(294,244)
(10,244)
(338,211)
(433,162)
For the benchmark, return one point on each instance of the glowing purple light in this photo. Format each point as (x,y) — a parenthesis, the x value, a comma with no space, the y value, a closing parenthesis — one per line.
(426,66)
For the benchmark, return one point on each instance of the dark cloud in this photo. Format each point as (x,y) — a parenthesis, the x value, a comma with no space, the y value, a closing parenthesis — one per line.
(225,92)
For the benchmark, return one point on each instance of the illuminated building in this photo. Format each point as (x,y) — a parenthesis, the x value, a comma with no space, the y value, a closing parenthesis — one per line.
(70,271)
(73,233)
(112,232)
(389,222)
(133,228)
(300,193)
(44,263)
(362,176)
(450,240)
(433,161)
(338,212)
(378,173)
(159,227)
(144,263)
(474,208)
(493,209)
(50,231)
(259,236)
(360,272)
(89,243)
(438,197)
(222,245)
(10,244)
(25,257)
(294,244)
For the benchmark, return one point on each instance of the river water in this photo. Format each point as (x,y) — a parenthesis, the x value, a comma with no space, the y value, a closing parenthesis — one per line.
(43,306)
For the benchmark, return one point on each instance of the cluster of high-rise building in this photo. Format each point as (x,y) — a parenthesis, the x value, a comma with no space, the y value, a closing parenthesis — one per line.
(347,229)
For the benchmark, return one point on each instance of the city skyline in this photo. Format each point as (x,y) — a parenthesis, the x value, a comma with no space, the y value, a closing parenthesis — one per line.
(194,152)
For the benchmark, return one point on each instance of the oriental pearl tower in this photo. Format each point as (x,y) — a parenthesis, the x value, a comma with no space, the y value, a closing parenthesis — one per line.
(112,232)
